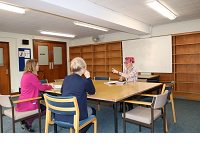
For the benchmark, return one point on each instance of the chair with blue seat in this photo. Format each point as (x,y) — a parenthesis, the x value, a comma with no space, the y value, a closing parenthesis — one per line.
(59,80)
(102,78)
(44,81)
(66,106)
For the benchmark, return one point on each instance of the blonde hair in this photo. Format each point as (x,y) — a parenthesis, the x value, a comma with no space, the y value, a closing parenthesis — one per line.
(77,64)
(31,66)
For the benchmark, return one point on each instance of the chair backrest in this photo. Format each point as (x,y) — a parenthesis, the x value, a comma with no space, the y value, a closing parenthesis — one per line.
(141,80)
(160,100)
(5,101)
(102,78)
(58,80)
(163,88)
(169,86)
(63,106)
(44,81)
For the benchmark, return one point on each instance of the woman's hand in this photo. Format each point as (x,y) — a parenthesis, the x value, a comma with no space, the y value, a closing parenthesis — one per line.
(87,74)
(115,71)
(50,84)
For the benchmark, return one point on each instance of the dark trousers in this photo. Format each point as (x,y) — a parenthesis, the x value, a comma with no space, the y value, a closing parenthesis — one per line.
(29,121)
(84,130)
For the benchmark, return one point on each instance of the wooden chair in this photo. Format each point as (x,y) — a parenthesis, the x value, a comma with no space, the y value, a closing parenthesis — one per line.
(44,81)
(141,80)
(8,103)
(167,86)
(66,106)
(59,80)
(145,116)
(170,88)
(42,92)
(101,78)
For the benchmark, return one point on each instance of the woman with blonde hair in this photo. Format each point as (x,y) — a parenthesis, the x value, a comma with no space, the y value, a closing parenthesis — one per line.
(30,88)
(78,86)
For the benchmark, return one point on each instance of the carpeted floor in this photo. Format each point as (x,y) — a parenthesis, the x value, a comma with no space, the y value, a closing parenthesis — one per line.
(187,113)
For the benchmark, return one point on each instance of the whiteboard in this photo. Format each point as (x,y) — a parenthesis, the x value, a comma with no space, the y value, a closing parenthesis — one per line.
(151,54)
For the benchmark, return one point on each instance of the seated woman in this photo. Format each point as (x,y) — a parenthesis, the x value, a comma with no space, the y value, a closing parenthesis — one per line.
(30,88)
(129,73)
(76,85)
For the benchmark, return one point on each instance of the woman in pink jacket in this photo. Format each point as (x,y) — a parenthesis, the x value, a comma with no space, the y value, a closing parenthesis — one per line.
(30,88)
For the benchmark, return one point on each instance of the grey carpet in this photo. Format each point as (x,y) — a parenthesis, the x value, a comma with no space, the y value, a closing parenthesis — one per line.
(187,113)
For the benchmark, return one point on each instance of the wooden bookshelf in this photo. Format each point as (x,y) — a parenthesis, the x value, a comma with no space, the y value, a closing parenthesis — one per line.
(87,55)
(100,58)
(75,52)
(186,66)
(114,58)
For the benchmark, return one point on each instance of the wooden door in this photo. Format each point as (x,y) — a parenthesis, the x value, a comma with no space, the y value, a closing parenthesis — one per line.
(4,68)
(52,59)
(59,60)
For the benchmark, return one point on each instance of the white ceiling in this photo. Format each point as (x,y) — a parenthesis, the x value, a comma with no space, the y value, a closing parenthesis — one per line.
(132,16)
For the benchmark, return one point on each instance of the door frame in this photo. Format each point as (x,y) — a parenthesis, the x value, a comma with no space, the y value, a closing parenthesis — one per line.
(8,67)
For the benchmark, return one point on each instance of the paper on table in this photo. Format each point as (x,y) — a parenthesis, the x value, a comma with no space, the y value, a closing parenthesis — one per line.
(112,82)
(115,82)
(57,86)
(120,82)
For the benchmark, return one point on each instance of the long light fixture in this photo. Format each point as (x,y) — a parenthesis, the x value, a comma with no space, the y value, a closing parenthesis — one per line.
(57,34)
(162,9)
(90,26)
(12,8)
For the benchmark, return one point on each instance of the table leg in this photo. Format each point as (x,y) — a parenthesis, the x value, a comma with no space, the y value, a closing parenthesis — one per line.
(115,118)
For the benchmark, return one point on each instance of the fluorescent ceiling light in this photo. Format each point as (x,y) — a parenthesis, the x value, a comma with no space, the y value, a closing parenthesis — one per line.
(57,34)
(12,8)
(162,9)
(90,26)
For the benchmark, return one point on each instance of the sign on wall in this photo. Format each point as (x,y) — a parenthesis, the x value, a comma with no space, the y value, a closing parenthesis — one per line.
(24,54)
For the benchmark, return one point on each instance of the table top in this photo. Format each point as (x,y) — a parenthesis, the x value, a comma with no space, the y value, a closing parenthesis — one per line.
(115,93)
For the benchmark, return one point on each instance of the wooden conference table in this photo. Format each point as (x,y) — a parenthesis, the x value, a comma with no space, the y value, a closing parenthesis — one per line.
(115,93)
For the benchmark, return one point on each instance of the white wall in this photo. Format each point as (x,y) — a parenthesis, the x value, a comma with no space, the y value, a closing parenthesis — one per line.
(15,42)
(118,36)
(174,28)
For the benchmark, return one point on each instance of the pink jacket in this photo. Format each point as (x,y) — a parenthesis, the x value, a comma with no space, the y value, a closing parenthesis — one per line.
(30,87)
